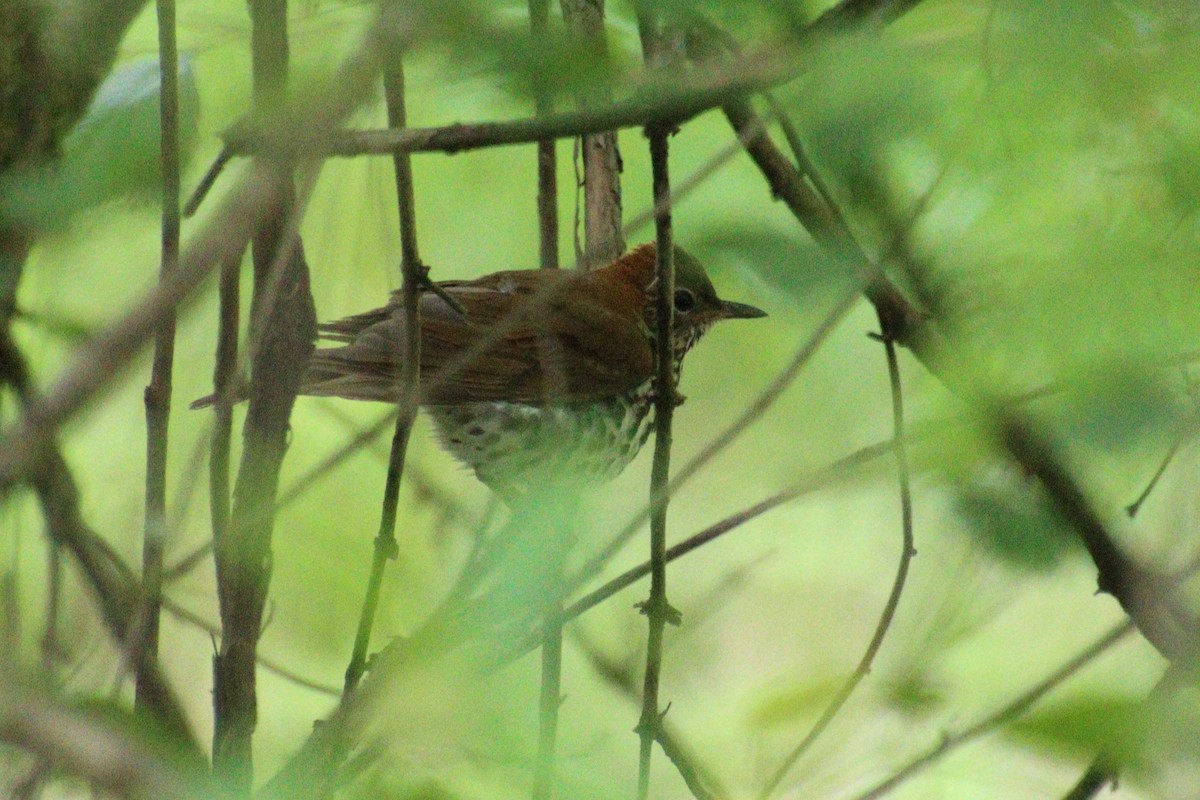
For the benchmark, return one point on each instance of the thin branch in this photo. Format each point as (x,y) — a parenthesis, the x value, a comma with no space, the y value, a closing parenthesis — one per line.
(702,783)
(952,741)
(673,102)
(907,552)
(225,370)
(759,406)
(414,276)
(109,754)
(817,479)
(270,665)
(158,393)
(547,162)
(657,607)
(1187,432)
(550,690)
(1094,779)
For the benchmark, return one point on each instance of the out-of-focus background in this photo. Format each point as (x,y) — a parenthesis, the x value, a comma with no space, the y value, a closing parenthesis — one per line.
(1040,159)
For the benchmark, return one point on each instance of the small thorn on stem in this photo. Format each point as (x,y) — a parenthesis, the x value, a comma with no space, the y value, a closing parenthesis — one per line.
(431,286)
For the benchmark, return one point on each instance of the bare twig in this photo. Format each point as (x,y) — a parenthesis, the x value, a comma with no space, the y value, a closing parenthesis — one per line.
(907,552)
(753,412)
(406,406)
(547,161)
(671,102)
(158,393)
(1092,781)
(1185,433)
(116,590)
(107,753)
(701,781)
(270,665)
(224,381)
(550,690)
(952,741)
(656,607)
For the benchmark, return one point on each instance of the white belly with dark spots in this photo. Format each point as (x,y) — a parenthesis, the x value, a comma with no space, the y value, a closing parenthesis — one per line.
(515,448)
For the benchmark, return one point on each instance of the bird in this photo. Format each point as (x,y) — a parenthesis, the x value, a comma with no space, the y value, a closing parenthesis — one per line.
(562,393)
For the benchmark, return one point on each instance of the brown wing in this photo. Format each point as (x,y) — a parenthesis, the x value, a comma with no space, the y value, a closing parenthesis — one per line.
(580,338)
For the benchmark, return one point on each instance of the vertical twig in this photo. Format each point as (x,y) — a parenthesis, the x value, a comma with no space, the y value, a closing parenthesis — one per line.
(414,273)
(656,607)
(158,394)
(224,393)
(52,649)
(547,162)
(550,694)
(603,240)
(283,327)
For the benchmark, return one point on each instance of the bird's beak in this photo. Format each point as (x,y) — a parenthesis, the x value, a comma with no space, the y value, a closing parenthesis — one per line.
(731,310)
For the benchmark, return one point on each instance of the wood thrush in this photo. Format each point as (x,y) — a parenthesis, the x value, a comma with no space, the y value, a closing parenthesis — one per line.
(564,396)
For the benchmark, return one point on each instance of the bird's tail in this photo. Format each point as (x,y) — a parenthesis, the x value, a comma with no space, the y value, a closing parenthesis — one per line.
(332,372)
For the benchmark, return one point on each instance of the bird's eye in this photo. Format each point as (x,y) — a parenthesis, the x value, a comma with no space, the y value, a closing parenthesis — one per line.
(685,300)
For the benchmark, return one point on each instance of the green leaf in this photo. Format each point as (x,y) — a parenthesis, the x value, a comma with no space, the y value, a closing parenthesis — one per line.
(1013,518)
(113,152)
(1084,726)
(1120,408)
(785,263)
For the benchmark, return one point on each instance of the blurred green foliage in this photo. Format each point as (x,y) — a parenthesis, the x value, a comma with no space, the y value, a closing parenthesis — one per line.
(113,152)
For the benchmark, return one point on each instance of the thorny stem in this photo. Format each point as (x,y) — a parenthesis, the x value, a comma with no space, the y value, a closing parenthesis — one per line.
(413,278)
(657,609)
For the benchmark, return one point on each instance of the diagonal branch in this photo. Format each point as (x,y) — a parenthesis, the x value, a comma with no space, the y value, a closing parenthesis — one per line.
(1141,593)
(1012,710)
(117,592)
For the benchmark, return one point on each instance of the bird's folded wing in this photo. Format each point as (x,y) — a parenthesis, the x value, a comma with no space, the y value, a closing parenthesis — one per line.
(570,344)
